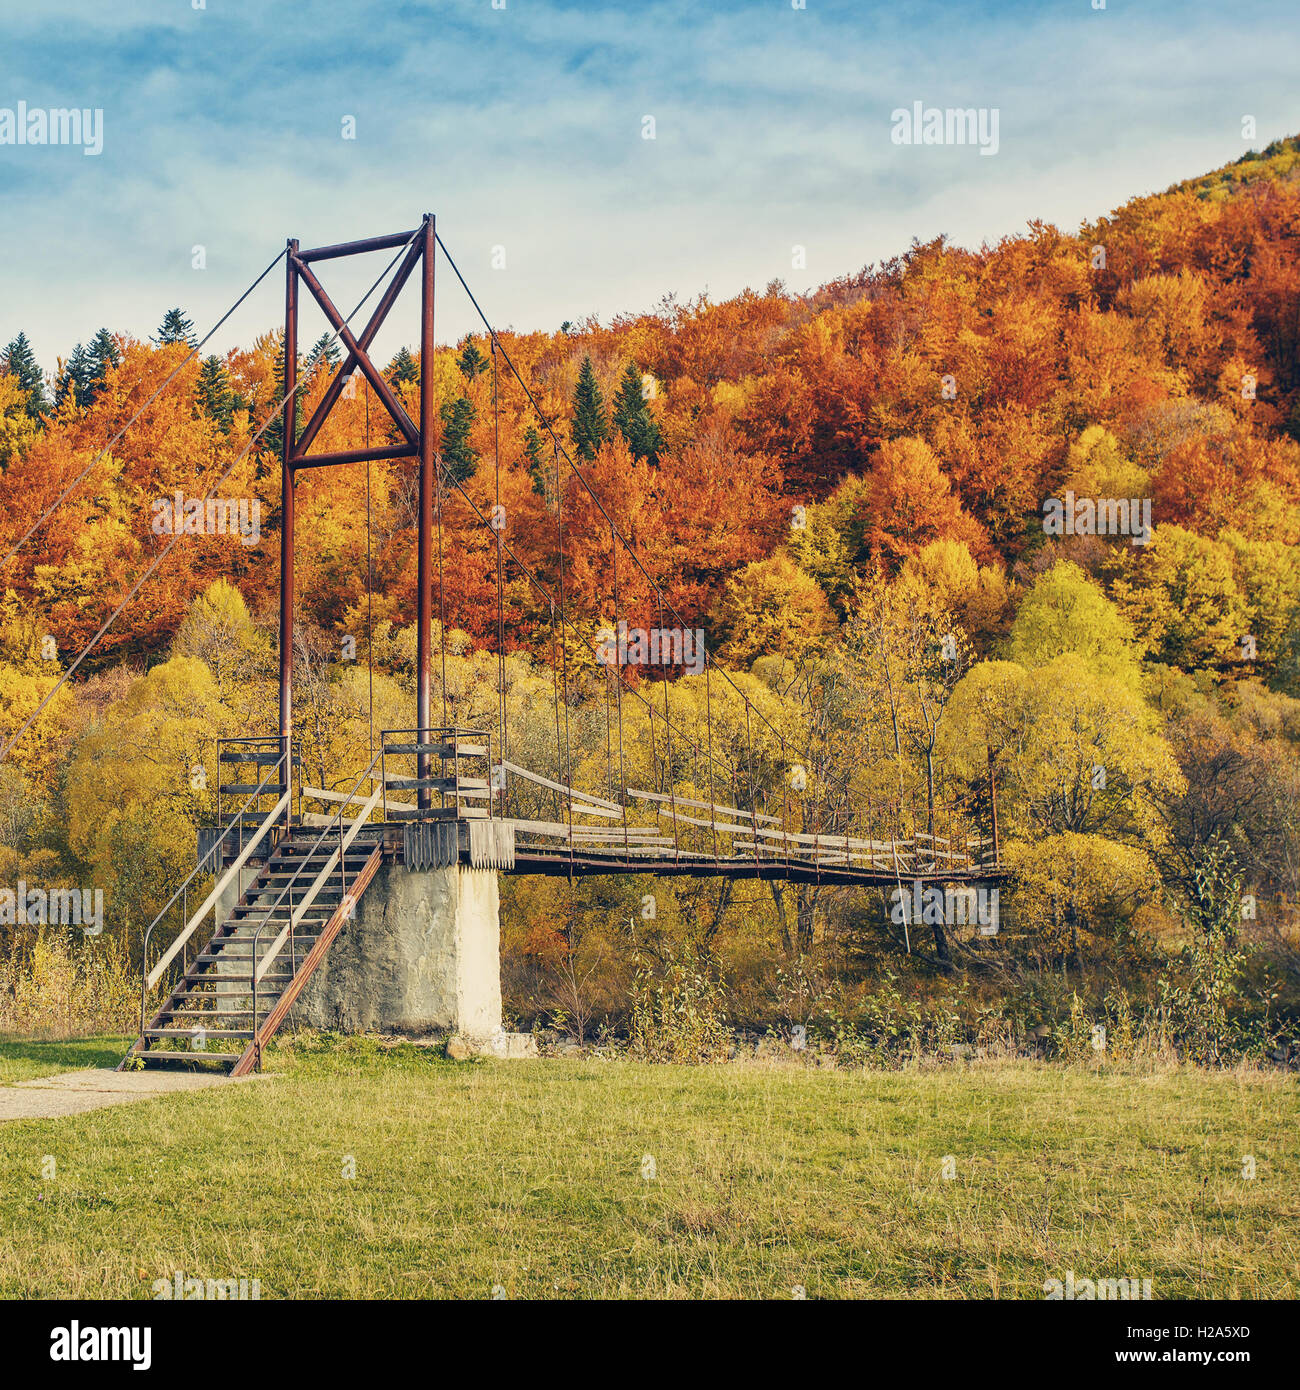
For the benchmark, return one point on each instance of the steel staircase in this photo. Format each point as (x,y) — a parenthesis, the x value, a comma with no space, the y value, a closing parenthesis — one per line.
(217,1002)
(233,995)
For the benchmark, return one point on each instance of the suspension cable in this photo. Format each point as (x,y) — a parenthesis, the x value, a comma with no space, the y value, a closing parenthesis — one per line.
(578,473)
(370,594)
(176,536)
(499,517)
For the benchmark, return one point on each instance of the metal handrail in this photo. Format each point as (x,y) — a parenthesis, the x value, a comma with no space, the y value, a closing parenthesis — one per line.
(200,867)
(287,889)
(443,733)
(264,741)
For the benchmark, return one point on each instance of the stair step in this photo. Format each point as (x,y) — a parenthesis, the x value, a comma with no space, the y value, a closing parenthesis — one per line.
(179,1017)
(186,1033)
(307,930)
(303,836)
(234,983)
(227,959)
(250,914)
(297,853)
(299,874)
(273,898)
(249,920)
(255,916)
(224,1059)
(315,861)
(230,957)
(241,947)
(242,912)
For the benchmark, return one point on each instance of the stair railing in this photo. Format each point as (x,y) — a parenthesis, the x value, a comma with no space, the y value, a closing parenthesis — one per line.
(257,970)
(149,978)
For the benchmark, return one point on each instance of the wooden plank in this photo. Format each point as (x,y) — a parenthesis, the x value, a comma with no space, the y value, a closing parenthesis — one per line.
(561,829)
(571,792)
(722,826)
(703,805)
(321,794)
(437,784)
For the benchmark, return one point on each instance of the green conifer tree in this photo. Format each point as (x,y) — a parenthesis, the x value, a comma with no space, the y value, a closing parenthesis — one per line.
(324,353)
(102,355)
(214,392)
(633,419)
(590,427)
(459,457)
(19,362)
(471,361)
(175,328)
(539,469)
(403,369)
(73,379)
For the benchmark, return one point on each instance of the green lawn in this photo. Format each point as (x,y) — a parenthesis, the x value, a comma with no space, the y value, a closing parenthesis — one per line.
(21,1059)
(529,1176)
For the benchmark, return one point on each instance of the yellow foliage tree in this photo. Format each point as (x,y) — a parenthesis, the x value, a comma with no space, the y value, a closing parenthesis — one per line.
(770,607)
(1070,883)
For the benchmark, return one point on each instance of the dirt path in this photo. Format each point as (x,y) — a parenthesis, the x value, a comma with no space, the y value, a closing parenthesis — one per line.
(74,1092)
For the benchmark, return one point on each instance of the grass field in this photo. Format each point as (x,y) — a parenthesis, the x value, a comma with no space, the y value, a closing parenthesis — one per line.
(535,1178)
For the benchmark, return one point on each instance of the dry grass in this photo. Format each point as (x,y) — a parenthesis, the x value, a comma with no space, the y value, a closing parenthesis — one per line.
(52,985)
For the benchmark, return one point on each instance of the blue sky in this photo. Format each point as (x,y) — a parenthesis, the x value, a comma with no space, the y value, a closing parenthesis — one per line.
(522,128)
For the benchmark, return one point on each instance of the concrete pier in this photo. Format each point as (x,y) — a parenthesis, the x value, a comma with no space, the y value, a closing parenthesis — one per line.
(421,956)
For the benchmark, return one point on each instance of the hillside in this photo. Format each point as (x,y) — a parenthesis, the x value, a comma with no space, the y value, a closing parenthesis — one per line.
(1069,462)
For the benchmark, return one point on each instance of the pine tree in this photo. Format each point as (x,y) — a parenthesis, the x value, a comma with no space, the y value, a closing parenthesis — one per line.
(73,379)
(272,440)
(403,368)
(102,354)
(324,352)
(176,328)
(214,392)
(538,470)
(19,361)
(633,419)
(471,361)
(590,427)
(458,456)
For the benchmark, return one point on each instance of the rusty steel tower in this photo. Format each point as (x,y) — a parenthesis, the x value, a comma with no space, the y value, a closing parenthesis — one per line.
(418,440)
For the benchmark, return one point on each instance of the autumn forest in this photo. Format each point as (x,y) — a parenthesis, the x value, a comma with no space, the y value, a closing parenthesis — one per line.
(1026,515)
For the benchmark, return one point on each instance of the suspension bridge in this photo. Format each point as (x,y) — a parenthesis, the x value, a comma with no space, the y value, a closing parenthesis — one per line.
(289,865)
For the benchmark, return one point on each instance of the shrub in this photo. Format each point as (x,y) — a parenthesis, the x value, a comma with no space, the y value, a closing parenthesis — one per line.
(679,1015)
